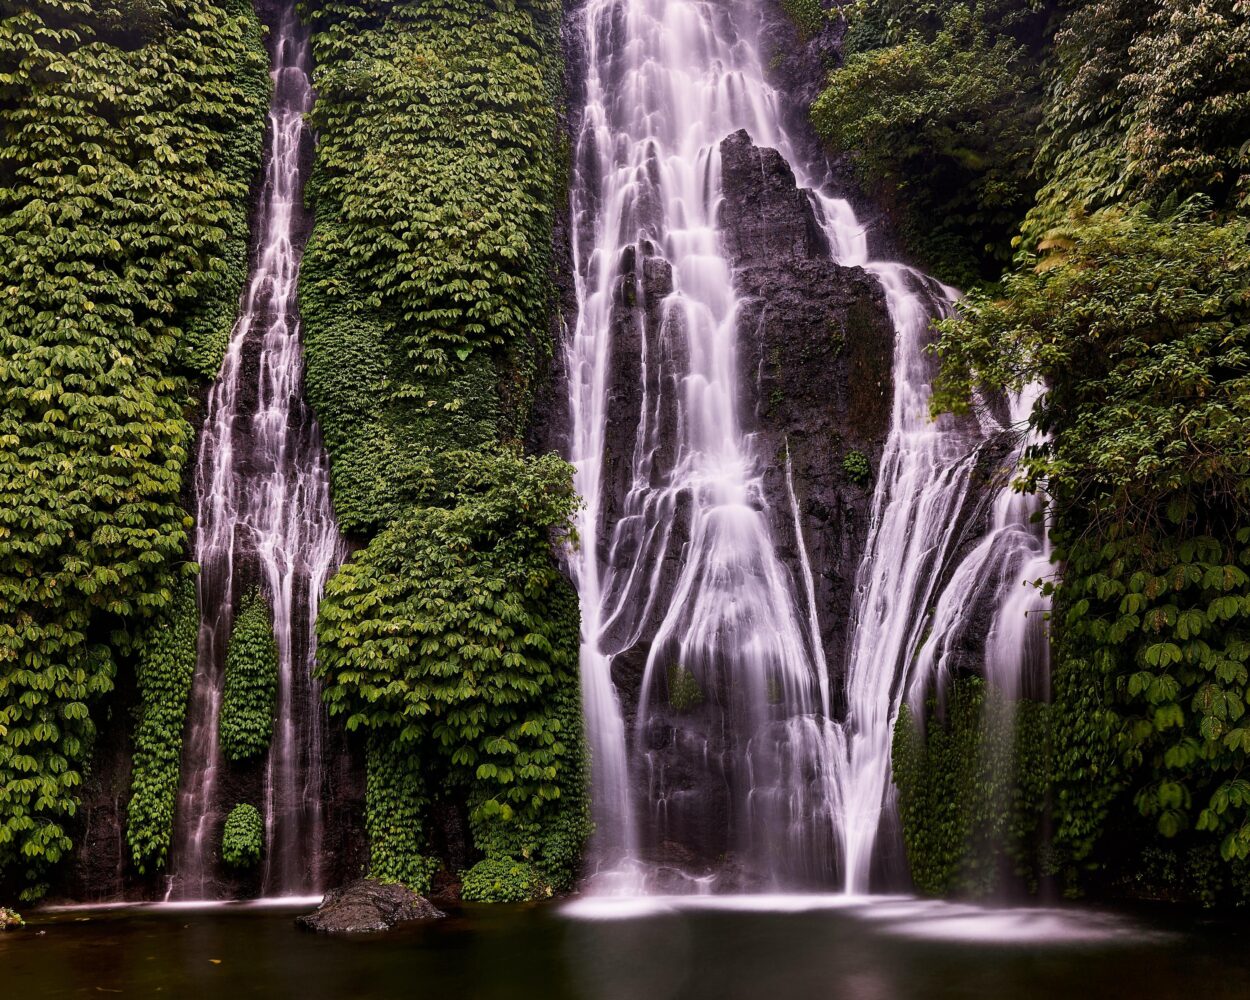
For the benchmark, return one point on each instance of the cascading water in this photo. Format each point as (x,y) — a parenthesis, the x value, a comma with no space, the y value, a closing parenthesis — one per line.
(922,487)
(997,576)
(676,550)
(666,81)
(263,513)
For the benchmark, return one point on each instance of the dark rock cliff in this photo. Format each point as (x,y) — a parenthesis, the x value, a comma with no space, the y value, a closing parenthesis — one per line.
(816,351)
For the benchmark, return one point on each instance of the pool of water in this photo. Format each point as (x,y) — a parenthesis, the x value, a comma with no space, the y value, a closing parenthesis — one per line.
(775,948)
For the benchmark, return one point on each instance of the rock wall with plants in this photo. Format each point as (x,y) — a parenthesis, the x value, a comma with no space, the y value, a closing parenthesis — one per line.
(450,637)
(1082,167)
(247,706)
(130,133)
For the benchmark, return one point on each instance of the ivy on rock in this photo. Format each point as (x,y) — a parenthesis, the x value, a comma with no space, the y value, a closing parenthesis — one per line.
(450,636)
(455,632)
(426,287)
(129,135)
(243,837)
(972,783)
(247,706)
(165,668)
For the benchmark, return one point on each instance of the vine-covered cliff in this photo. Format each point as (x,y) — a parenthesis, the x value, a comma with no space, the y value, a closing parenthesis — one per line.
(451,635)
(1094,155)
(129,138)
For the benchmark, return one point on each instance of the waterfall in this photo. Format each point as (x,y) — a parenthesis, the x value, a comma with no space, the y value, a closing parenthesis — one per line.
(921,490)
(676,554)
(263,514)
(666,81)
(999,575)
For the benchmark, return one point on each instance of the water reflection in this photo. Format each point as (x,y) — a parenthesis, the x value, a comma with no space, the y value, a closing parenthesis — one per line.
(769,947)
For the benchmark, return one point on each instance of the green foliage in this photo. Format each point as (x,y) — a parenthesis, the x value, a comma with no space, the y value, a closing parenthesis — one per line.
(1142,330)
(247,706)
(879,24)
(395,807)
(856,467)
(426,297)
(243,838)
(503,880)
(684,693)
(809,15)
(941,126)
(1132,304)
(972,790)
(426,287)
(10,919)
(1149,102)
(165,667)
(129,133)
(454,631)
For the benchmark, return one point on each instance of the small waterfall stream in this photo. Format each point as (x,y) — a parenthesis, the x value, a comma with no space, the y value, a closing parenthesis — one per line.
(263,515)
(676,551)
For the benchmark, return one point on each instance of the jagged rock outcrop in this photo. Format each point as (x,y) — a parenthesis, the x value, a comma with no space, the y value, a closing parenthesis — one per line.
(366,907)
(816,351)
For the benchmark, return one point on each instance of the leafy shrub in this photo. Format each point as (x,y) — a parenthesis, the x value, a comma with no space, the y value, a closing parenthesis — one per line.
(809,16)
(684,693)
(1148,103)
(937,125)
(855,465)
(127,146)
(454,632)
(502,880)
(243,838)
(165,669)
(247,706)
(10,919)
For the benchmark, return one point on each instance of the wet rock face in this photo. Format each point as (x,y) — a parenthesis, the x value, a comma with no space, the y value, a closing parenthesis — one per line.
(815,358)
(366,907)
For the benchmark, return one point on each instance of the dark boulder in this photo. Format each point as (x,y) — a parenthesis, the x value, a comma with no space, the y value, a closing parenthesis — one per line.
(366,906)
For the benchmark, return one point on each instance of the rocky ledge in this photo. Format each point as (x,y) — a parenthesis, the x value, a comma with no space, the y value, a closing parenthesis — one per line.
(366,906)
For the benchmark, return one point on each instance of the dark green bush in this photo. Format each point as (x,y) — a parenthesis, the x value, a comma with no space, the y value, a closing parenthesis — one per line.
(243,837)
(809,15)
(857,468)
(937,126)
(454,631)
(247,707)
(165,668)
(503,880)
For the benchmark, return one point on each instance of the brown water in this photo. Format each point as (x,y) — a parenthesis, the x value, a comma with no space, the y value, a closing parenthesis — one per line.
(657,950)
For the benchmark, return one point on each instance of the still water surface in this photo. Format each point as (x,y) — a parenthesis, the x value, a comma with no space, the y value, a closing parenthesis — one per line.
(776,948)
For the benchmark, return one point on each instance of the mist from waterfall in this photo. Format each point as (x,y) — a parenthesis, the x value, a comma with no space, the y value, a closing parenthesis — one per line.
(263,515)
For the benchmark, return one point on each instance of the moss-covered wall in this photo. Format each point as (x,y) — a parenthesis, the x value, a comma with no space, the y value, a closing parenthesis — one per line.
(130,132)
(426,292)
(973,779)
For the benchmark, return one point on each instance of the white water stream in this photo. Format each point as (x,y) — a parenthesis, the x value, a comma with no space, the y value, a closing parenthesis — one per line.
(666,81)
(263,513)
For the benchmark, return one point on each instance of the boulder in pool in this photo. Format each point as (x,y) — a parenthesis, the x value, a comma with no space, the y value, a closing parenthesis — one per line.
(365,907)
